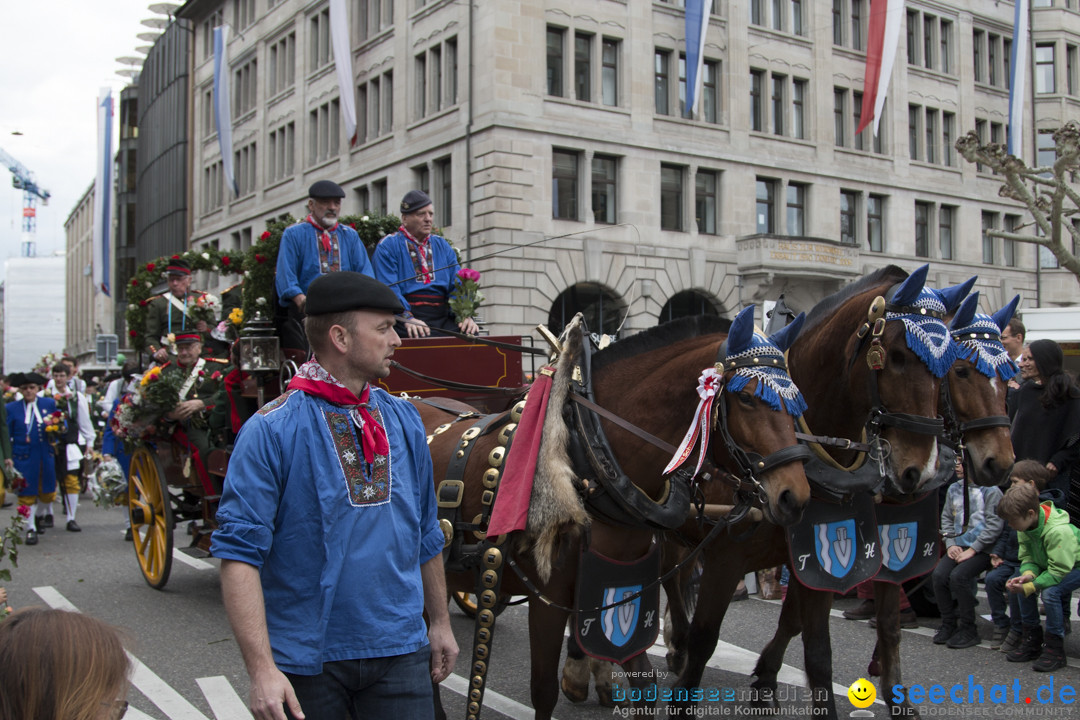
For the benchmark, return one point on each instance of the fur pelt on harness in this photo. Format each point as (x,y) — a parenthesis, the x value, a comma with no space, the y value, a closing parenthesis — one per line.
(556,511)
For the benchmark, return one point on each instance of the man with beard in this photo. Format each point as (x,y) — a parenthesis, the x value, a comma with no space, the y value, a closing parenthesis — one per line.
(314,247)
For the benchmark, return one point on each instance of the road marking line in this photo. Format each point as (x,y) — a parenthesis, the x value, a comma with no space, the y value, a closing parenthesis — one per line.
(54,599)
(191,561)
(224,702)
(492,700)
(134,713)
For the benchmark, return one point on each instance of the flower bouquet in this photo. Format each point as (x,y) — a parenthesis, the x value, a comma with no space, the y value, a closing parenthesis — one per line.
(206,308)
(466,297)
(111,487)
(55,427)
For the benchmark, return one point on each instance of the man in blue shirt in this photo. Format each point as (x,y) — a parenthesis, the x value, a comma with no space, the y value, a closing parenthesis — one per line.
(421,268)
(314,247)
(328,529)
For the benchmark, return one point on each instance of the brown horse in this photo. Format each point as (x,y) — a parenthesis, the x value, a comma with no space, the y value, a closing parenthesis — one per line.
(650,380)
(829,362)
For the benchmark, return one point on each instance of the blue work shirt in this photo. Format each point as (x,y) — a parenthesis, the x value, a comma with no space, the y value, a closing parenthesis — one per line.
(298,261)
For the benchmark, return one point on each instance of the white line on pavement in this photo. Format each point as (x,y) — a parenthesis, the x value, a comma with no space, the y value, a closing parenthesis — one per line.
(134,713)
(492,699)
(224,701)
(54,599)
(191,561)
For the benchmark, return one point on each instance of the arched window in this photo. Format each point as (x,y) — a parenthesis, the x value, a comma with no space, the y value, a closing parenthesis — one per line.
(686,304)
(603,311)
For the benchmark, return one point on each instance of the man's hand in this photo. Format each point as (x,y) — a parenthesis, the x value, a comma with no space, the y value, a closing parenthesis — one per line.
(469,327)
(953,553)
(201,326)
(9,464)
(417,328)
(270,690)
(160,356)
(186,409)
(994,561)
(965,554)
(299,300)
(444,650)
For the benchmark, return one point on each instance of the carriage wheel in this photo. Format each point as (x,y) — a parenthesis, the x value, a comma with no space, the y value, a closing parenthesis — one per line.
(150,510)
(466,602)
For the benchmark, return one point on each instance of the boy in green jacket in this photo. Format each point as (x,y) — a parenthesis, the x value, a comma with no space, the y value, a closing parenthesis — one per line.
(1049,556)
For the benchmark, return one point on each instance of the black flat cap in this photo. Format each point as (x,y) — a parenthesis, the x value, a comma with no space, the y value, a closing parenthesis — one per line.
(346,290)
(177,267)
(325,189)
(414,200)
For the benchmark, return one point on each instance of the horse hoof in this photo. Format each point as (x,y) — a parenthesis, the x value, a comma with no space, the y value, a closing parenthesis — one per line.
(603,696)
(676,662)
(874,668)
(574,693)
(575,679)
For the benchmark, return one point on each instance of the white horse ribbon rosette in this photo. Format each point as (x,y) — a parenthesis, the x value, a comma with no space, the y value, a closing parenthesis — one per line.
(710,384)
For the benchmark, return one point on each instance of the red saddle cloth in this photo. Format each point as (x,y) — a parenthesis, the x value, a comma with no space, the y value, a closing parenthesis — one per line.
(511,510)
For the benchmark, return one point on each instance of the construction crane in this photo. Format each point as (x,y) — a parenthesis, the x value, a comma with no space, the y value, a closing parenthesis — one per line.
(22,179)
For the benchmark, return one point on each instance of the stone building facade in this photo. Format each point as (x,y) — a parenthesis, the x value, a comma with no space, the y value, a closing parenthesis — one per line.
(564,120)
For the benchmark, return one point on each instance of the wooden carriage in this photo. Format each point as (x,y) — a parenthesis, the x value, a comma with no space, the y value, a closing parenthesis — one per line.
(166,490)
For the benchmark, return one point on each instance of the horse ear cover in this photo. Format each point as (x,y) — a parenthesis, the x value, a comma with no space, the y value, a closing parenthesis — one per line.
(785,336)
(966,313)
(951,297)
(1005,314)
(741,331)
(909,290)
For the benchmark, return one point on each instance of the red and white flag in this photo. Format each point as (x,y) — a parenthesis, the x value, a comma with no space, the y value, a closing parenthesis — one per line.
(886,17)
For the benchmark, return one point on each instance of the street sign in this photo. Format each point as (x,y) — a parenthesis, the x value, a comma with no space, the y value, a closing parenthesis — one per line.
(107,347)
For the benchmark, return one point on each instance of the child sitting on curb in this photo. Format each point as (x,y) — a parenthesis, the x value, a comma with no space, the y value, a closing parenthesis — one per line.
(1049,557)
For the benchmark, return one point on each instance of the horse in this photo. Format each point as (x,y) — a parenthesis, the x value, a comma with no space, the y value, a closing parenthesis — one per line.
(654,381)
(859,373)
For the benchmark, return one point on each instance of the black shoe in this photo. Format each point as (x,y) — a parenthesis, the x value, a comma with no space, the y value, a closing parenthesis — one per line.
(73,526)
(862,611)
(946,631)
(31,537)
(1053,654)
(965,637)
(1012,641)
(1030,645)
(47,521)
(127,534)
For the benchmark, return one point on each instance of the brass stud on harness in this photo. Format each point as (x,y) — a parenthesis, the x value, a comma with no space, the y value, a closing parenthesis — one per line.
(447,531)
(490,578)
(488,497)
(495,458)
(506,433)
(477,680)
(486,618)
(479,669)
(475,695)
(518,409)
(483,635)
(488,598)
(481,651)
(493,558)
(471,433)
(491,478)
(474,708)
(476,521)
(460,454)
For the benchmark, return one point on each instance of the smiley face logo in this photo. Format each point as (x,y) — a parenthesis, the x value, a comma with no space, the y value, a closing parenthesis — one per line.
(862,693)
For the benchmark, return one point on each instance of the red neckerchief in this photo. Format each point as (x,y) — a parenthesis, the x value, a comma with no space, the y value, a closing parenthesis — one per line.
(419,251)
(313,379)
(322,233)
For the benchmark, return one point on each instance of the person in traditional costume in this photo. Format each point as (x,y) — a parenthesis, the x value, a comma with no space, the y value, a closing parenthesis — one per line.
(32,454)
(421,268)
(328,531)
(196,400)
(309,249)
(5,446)
(77,442)
(167,314)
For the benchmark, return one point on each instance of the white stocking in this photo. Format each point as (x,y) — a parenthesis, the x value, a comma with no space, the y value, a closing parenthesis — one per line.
(72,505)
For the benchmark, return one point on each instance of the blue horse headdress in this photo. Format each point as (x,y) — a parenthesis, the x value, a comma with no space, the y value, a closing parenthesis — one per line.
(979,338)
(926,333)
(775,386)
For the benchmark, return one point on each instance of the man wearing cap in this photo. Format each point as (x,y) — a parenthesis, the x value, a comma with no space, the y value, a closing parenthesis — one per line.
(328,529)
(32,455)
(197,391)
(421,268)
(314,247)
(167,313)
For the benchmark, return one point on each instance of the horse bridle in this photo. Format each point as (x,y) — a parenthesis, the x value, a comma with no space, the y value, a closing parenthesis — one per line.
(954,428)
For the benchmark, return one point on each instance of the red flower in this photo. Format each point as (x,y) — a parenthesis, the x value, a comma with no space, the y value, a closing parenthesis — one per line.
(133,333)
(134,282)
(265,235)
(216,375)
(142,303)
(259,258)
(150,267)
(24,510)
(175,257)
(225,260)
(352,225)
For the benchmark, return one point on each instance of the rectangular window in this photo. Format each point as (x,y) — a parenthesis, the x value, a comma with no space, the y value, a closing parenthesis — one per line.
(243,14)
(945,231)
(683,110)
(421,85)
(705,204)
(564,184)
(766,206)
(444,177)
(849,204)
(1045,150)
(948,132)
(244,167)
(583,67)
(555,38)
(661,70)
(928,41)
(945,46)
(856,114)
(1008,247)
(913,37)
(838,22)
(1006,55)
(798,109)
(922,229)
(839,117)
(380,196)
(216,19)
(777,14)
(978,39)
(857,24)
(931,135)
(989,222)
(280,153)
(914,111)
(1044,69)
(604,188)
(757,90)
(796,209)
(373,16)
(671,197)
(451,69)
(282,61)
(875,222)
(1070,69)
(609,73)
(797,17)
(387,124)
(324,132)
(423,179)
(435,64)
(778,83)
(757,12)
(710,92)
(319,40)
(211,189)
(245,88)
(375,108)
(208,112)
(992,53)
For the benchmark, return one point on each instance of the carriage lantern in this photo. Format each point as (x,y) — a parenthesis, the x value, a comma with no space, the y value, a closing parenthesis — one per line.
(260,351)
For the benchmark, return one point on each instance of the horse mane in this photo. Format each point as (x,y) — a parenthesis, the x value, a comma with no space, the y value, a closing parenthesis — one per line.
(660,336)
(824,309)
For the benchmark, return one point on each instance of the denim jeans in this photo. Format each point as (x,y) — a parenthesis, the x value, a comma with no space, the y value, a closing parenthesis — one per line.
(1051,597)
(954,588)
(397,687)
(1001,601)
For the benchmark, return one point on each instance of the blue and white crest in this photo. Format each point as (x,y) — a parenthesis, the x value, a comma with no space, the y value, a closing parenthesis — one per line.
(898,544)
(835,546)
(926,335)
(978,337)
(619,622)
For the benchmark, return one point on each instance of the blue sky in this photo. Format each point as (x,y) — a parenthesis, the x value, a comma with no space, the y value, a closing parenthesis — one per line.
(55,57)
